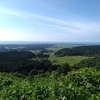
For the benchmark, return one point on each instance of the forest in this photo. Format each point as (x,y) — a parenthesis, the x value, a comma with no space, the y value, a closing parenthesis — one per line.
(27,72)
(80,51)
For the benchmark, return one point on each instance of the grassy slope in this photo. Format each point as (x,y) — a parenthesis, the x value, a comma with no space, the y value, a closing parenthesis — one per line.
(71,60)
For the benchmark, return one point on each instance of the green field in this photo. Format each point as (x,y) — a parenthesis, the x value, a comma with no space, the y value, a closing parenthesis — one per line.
(71,60)
(61,46)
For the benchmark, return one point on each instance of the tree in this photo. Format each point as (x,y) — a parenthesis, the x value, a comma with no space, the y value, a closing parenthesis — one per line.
(63,69)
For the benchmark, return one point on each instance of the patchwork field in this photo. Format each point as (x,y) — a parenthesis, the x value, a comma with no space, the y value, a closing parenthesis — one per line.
(71,60)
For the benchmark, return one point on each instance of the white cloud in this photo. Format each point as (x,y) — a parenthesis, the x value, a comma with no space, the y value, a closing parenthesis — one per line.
(69,29)
(10,12)
(16,14)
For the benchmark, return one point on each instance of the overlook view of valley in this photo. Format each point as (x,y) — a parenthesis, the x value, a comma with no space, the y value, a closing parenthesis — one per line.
(35,71)
(49,49)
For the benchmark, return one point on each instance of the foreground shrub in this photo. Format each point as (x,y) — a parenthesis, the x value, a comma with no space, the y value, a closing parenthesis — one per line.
(82,84)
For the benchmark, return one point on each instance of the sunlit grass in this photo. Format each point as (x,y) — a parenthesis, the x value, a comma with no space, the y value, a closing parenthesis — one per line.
(71,60)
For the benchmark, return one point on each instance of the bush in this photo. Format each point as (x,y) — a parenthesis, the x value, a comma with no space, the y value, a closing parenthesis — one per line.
(63,69)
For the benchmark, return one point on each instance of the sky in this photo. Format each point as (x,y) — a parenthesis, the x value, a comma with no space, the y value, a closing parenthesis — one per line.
(50,20)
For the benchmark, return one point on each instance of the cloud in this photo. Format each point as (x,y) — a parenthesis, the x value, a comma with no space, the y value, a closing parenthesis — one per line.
(73,23)
(79,26)
(69,29)
(10,12)
(16,14)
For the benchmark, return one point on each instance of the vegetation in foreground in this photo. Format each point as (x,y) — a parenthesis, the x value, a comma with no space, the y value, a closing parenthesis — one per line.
(82,84)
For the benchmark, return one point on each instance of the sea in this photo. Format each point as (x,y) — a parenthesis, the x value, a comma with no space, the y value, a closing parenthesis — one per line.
(47,42)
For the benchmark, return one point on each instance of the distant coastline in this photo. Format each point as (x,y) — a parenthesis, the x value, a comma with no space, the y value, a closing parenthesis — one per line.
(44,42)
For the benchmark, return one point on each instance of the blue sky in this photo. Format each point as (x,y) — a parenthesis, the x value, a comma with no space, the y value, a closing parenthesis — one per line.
(50,20)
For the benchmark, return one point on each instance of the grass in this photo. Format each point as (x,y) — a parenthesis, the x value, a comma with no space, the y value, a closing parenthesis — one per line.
(71,60)
(35,51)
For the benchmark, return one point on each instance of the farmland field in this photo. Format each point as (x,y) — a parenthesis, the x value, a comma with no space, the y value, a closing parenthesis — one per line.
(71,60)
